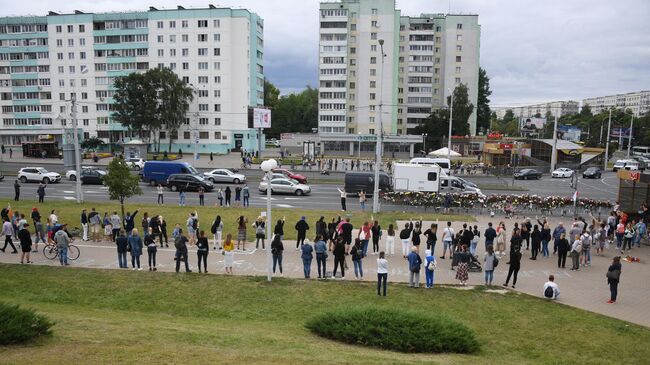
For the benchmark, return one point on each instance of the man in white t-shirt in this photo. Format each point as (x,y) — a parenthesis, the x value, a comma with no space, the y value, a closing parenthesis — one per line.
(551,290)
(447,239)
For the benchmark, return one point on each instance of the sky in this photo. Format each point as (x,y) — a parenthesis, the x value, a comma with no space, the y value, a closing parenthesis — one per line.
(532,50)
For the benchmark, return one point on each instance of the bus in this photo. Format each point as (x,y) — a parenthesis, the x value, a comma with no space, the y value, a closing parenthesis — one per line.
(641,151)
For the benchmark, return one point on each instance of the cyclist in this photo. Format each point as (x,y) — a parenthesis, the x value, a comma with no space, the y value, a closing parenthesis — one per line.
(62,240)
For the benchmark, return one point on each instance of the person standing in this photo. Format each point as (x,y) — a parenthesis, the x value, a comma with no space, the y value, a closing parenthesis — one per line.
(321,228)
(277,248)
(576,249)
(84,224)
(152,248)
(227,195)
(135,242)
(405,237)
(95,221)
(515,257)
(447,240)
(557,232)
(246,194)
(382,273)
(62,242)
(346,233)
(320,247)
(390,240)
(279,228)
(586,248)
(490,262)
(546,238)
(181,196)
(563,247)
(192,225)
(8,232)
(362,200)
(339,257)
(343,198)
(490,234)
(202,250)
(25,239)
(180,243)
(129,222)
(432,237)
(237,197)
(220,197)
(301,228)
(217,232)
(376,235)
(241,231)
(161,197)
(39,229)
(163,231)
(307,256)
(357,257)
(417,232)
(201,196)
(260,232)
(462,271)
(108,227)
(536,240)
(364,237)
(476,236)
(613,278)
(430,267)
(41,192)
(16,190)
(211,160)
(415,261)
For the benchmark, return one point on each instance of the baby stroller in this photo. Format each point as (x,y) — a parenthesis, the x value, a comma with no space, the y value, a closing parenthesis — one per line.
(475,266)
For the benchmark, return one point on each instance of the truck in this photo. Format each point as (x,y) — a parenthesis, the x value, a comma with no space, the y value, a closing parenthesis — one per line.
(417,177)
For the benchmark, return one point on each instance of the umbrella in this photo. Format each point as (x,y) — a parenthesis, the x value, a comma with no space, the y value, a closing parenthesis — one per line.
(443,152)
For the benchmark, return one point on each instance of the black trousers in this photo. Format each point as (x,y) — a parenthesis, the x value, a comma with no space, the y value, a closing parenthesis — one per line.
(182,255)
(161,199)
(343,207)
(536,247)
(381,278)
(116,232)
(8,241)
(375,244)
(561,259)
(203,257)
(514,269)
(301,239)
(17,195)
(41,198)
(163,234)
(151,254)
(339,261)
(201,200)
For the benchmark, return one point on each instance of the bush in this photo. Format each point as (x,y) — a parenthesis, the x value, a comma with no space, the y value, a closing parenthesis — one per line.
(20,325)
(398,330)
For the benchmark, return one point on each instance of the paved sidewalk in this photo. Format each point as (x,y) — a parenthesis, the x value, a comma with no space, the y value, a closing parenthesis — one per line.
(586,288)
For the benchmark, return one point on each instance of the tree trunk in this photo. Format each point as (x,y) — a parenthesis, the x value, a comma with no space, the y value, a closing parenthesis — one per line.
(122,207)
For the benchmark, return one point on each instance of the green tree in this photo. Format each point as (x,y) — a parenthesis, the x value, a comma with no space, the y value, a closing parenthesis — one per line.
(295,113)
(271,94)
(462,111)
(483,101)
(120,182)
(152,101)
(509,125)
(436,126)
(92,143)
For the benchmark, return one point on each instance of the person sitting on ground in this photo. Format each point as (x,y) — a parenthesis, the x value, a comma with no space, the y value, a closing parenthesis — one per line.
(551,290)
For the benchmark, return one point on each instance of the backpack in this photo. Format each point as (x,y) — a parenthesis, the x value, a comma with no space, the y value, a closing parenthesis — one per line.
(195,223)
(259,230)
(548,293)
(178,243)
(431,266)
(495,262)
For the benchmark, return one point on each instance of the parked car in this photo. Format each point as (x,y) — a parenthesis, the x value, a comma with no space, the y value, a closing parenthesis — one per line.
(592,173)
(527,174)
(562,172)
(188,182)
(626,165)
(301,179)
(468,183)
(135,163)
(2,177)
(92,176)
(157,172)
(273,142)
(224,176)
(37,174)
(355,182)
(277,175)
(72,174)
(285,186)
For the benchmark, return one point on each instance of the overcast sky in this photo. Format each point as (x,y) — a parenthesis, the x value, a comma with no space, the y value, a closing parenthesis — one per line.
(533,50)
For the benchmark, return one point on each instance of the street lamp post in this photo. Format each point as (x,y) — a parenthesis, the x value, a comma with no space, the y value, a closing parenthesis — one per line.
(609,127)
(629,140)
(77,152)
(554,152)
(379,131)
(268,166)
(424,143)
(359,149)
(451,114)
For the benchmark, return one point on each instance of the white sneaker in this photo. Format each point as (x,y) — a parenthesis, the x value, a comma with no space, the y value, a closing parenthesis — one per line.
(133,269)
(139,269)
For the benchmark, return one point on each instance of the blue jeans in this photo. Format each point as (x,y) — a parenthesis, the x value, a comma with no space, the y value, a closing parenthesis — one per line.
(358,268)
(364,245)
(121,260)
(544,248)
(306,267)
(619,240)
(277,260)
(182,201)
(63,255)
(429,276)
(363,205)
(381,282)
(489,275)
(246,201)
(321,261)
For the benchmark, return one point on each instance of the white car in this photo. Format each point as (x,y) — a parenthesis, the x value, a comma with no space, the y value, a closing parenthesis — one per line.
(285,186)
(224,176)
(562,172)
(626,165)
(72,174)
(135,163)
(37,174)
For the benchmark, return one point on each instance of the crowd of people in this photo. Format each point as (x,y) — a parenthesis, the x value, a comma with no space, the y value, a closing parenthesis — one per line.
(132,234)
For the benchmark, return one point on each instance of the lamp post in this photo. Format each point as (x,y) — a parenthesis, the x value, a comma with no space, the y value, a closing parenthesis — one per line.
(424,143)
(609,127)
(629,140)
(451,113)
(379,132)
(554,152)
(77,152)
(359,149)
(268,166)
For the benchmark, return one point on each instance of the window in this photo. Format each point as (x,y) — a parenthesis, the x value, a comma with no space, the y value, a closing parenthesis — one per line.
(59,56)
(353,27)
(172,38)
(203,107)
(60,69)
(186,135)
(374,11)
(459,26)
(217,121)
(82,55)
(203,79)
(373,84)
(160,39)
(217,108)
(185,66)
(172,52)
(459,37)
(202,51)
(71,55)
(459,48)
(202,23)
(202,37)
(204,135)
(70,28)
(373,24)
(71,69)
(372,96)
(373,72)
(159,25)
(373,60)
(458,58)
(185,52)
(203,121)
(371,120)
(457,69)
(59,42)
(217,135)
(373,48)
(457,80)
(217,79)
(373,35)
(217,51)
(59,29)
(203,66)
(184,38)
(216,23)
(161,53)
(70,42)
(432,176)
(172,24)
(183,23)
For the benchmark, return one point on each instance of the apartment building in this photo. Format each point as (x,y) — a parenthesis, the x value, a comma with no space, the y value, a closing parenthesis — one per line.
(555,108)
(372,58)
(44,60)
(638,102)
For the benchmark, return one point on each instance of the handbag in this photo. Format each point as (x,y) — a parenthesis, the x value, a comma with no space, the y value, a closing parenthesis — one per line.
(613,275)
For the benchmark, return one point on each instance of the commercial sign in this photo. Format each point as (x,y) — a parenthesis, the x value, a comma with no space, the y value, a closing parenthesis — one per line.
(506,146)
(620,132)
(261,118)
(495,135)
(568,133)
(629,175)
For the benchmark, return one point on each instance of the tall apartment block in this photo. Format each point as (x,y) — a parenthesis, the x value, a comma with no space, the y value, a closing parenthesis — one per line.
(424,59)
(46,59)
(638,102)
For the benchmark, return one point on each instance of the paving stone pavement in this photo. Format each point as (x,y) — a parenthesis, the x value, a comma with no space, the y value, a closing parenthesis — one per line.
(586,289)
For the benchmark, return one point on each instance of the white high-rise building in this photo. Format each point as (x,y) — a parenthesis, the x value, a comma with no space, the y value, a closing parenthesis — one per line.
(424,59)
(638,102)
(555,108)
(46,59)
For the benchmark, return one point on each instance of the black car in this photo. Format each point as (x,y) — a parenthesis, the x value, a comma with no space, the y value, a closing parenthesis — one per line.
(2,177)
(92,176)
(592,173)
(188,182)
(527,174)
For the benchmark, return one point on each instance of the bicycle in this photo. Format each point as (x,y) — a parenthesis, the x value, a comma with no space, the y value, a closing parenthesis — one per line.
(51,251)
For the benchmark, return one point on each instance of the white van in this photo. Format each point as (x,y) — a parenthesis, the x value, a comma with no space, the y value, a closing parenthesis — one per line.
(452,184)
(626,165)
(444,163)
(414,177)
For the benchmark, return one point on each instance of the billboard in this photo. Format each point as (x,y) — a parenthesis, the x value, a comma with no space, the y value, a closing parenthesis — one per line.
(531,125)
(568,133)
(261,118)
(620,132)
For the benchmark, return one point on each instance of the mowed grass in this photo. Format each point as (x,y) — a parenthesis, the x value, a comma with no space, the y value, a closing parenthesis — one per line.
(109,317)
(70,212)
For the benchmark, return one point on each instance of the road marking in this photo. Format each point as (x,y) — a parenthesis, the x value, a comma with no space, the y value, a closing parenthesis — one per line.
(292,198)
(69,198)
(68,192)
(284,206)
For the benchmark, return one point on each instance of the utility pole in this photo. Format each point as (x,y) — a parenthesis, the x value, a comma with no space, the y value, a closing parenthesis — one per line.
(196,137)
(77,150)
(379,132)
(451,114)
(609,127)
(629,140)
(554,153)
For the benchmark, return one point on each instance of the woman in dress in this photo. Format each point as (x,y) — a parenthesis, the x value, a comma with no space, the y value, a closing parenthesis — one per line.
(241,231)
(228,248)
(462,270)
(501,239)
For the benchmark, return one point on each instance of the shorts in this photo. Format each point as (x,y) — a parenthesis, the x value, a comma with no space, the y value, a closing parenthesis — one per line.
(447,244)
(26,247)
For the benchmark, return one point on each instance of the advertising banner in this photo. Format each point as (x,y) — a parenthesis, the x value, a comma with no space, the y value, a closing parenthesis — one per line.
(531,125)
(261,118)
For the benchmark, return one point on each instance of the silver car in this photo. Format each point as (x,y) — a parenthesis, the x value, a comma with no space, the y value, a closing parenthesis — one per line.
(285,186)
(224,176)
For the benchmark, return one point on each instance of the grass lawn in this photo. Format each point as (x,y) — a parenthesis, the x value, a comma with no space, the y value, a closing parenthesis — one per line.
(105,316)
(69,212)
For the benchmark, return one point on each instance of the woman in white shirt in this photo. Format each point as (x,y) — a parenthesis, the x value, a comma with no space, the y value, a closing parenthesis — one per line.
(382,273)
(343,197)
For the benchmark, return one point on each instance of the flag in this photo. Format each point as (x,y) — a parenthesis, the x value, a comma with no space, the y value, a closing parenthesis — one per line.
(575,196)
